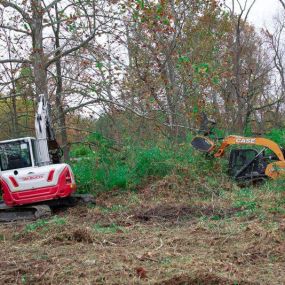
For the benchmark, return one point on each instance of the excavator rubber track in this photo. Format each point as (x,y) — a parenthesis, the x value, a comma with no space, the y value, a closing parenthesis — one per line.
(23,213)
(42,210)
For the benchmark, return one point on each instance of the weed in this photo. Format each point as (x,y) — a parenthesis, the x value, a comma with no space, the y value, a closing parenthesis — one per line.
(2,237)
(165,261)
(58,221)
(107,169)
(216,218)
(41,223)
(113,209)
(277,135)
(108,229)
(246,205)
(278,210)
(24,279)
(34,226)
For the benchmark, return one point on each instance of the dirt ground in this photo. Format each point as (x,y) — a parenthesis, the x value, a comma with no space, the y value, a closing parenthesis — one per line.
(130,238)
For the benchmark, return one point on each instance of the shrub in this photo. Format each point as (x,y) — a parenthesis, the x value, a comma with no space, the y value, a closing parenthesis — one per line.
(277,135)
(108,167)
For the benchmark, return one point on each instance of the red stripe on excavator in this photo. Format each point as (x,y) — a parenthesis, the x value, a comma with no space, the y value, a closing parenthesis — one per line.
(14,182)
(50,175)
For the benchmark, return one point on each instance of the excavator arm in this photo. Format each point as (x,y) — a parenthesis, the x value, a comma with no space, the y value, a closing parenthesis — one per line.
(47,146)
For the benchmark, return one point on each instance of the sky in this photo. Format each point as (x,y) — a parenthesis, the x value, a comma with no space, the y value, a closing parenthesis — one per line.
(263,12)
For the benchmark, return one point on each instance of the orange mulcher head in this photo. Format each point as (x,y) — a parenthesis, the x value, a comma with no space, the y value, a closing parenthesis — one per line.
(203,144)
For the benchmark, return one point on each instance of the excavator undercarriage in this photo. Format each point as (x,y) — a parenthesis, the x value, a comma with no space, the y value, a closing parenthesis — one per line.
(41,210)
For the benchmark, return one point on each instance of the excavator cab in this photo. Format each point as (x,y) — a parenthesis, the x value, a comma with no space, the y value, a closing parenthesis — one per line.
(25,181)
(18,153)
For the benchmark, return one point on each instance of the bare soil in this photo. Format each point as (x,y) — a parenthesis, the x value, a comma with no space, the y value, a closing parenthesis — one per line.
(132,238)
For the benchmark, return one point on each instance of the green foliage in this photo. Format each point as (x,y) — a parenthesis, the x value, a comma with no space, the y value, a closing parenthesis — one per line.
(201,68)
(216,80)
(277,135)
(246,200)
(42,223)
(140,3)
(26,72)
(218,133)
(248,130)
(34,226)
(99,65)
(110,229)
(82,150)
(184,59)
(108,167)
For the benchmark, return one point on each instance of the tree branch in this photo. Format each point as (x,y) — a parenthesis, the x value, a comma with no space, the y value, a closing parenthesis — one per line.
(282,3)
(6,4)
(249,9)
(71,50)
(266,106)
(14,60)
(15,29)
(13,81)
(51,4)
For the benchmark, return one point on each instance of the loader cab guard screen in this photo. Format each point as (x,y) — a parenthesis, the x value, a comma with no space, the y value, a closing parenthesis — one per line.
(239,158)
(14,155)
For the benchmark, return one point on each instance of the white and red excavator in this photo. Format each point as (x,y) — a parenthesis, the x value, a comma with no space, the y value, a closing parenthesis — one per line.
(31,174)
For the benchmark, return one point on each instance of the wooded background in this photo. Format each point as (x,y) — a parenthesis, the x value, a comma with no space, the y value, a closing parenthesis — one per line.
(139,68)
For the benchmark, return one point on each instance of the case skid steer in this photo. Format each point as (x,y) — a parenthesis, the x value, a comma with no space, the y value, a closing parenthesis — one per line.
(261,159)
(31,172)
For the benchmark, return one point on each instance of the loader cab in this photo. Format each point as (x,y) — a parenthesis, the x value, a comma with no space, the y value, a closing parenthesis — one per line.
(246,164)
(18,153)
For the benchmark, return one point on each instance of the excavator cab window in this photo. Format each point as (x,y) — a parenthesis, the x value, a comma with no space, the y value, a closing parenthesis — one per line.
(14,155)
(35,153)
(246,163)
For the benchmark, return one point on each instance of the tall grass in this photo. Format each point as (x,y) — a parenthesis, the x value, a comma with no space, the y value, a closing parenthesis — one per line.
(104,166)
(131,166)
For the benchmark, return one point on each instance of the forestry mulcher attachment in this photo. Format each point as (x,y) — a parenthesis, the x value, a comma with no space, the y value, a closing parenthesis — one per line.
(261,158)
(31,172)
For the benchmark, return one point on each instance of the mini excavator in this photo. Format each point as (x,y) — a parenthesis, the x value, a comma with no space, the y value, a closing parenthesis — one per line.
(261,159)
(31,174)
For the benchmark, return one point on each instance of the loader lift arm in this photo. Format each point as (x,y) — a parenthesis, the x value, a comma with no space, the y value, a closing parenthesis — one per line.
(274,169)
(239,140)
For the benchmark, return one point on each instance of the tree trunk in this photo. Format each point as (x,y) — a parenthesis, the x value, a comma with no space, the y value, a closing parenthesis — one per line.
(59,88)
(38,57)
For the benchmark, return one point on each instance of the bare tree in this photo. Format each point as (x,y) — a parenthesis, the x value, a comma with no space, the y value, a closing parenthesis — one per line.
(275,43)
(54,30)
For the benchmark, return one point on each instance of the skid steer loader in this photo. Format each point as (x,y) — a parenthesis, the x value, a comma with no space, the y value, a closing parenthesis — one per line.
(262,158)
